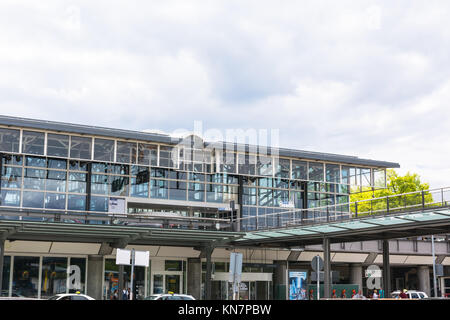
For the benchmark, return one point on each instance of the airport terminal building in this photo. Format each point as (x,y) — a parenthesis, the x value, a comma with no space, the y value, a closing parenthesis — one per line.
(70,195)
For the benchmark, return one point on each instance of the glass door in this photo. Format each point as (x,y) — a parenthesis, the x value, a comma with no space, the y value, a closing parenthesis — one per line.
(173,283)
(164,283)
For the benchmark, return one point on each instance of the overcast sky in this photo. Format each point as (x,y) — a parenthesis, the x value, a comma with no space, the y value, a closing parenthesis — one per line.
(363,78)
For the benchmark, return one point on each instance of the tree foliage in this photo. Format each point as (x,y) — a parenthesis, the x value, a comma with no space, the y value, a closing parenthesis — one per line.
(392,197)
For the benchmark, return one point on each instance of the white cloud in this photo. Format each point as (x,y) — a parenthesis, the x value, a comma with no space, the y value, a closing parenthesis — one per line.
(358,78)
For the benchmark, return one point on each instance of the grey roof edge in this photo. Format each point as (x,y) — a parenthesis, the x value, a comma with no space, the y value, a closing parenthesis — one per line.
(165,138)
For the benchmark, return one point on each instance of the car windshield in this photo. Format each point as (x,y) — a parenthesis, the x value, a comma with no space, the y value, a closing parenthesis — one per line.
(53,298)
(151,298)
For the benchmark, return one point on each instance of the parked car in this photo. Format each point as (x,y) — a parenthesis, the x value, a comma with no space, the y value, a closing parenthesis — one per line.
(71,297)
(412,294)
(170,296)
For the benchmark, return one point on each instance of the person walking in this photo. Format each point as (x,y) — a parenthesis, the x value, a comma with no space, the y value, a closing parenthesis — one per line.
(375,294)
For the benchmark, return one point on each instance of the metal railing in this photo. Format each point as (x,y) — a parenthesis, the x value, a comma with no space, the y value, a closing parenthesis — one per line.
(400,203)
(158,220)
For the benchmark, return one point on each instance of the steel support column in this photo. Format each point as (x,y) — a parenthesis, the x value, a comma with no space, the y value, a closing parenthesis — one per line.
(2,256)
(327,268)
(208,253)
(386,269)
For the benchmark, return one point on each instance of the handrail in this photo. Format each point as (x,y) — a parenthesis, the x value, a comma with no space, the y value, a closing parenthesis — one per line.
(349,206)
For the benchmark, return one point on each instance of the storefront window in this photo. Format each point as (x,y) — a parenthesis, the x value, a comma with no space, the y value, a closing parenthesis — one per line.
(53,276)
(5,276)
(173,265)
(77,284)
(26,276)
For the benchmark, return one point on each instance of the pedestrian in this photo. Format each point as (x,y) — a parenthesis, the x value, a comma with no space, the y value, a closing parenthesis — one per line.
(375,295)
(353,293)
(381,294)
(124,294)
(334,294)
(115,296)
(359,295)
(403,294)
(129,294)
(343,295)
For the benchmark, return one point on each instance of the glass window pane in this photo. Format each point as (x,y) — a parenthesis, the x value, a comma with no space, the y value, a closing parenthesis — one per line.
(126,152)
(76,202)
(9,140)
(283,168)
(10,198)
(379,177)
(57,164)
(147,154)
(11,177)
(119,185)
(139,186)
(227,161)
(168,157)
(55,201)
(299,170)
(5,276)
(246,164)
(265,197)
(33,142)
(77,182)
(53,277)
(315,171)
(33,199)
(99,204)
(159,189)
(214,193)
(172,265)
(57,145)
(345,175)
(264,166)
(365,177)
(196,192)
(34,179)
(332,172)
(177,190)
(80,147)
(78,264)
(36,162)
(104,150)
(26,276)
(56,181)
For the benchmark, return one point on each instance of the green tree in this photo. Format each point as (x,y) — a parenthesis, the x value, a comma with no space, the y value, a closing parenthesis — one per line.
(393,196)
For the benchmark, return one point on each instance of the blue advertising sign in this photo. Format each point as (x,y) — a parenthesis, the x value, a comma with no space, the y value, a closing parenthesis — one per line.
(297,285)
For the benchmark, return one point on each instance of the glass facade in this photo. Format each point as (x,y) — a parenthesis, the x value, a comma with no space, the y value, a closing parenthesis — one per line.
(57,171)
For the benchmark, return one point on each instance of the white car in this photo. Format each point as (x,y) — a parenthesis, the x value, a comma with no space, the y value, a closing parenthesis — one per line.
(412,294)
(71,297)
(170,296)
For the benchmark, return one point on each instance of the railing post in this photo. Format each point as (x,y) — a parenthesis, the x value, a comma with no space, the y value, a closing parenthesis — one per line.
(442,196)
(356,209)
(387,204)
(423,200)
(328,214)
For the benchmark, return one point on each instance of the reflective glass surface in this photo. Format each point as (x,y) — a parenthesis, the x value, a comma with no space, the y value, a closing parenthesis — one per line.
(80,147)
(57,145)
(9,140)
(33,142)
(104,150)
